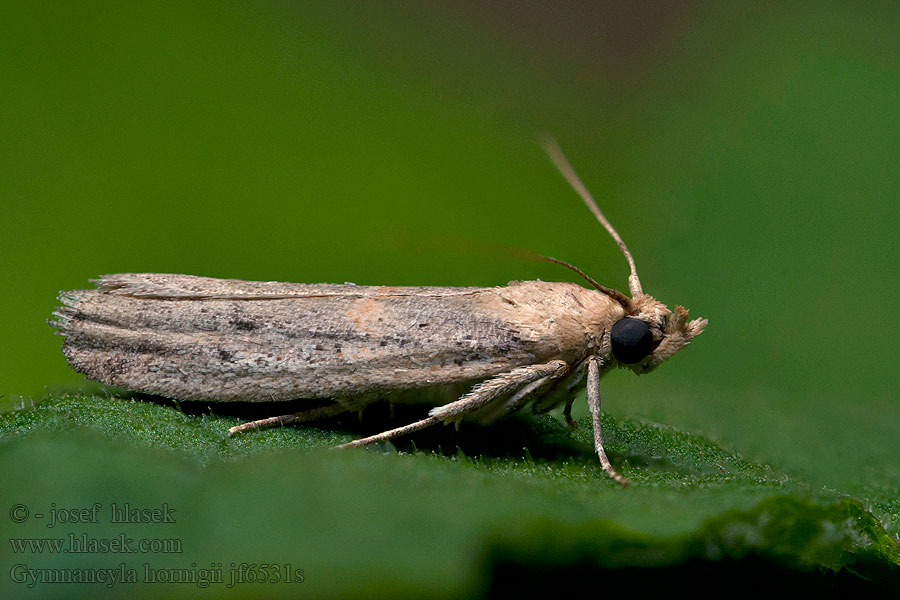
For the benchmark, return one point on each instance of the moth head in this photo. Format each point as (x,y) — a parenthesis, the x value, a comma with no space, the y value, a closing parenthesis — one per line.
(651,333)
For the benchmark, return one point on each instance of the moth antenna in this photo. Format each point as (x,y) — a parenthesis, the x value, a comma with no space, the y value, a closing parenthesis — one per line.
(614,294)
(551,147)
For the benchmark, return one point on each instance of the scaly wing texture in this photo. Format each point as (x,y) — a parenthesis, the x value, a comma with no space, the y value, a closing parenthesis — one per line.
(201,338)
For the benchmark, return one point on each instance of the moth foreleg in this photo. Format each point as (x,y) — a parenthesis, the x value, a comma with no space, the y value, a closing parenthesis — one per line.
(478,397)
(313,414)
(593,398)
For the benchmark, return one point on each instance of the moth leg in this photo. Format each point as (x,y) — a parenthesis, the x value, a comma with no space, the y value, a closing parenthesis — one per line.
(567,414)
(551,391)
(392,433)
(593,398)
(551,395)
(498,410)
(353,404)
(505,383)
(313,414)
(572,384)
(478,397)
(561,392)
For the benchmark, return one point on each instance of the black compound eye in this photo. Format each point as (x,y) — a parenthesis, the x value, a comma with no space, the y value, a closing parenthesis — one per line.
(631,340)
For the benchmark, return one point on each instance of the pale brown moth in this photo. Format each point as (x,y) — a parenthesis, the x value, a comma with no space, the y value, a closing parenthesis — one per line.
(343,346)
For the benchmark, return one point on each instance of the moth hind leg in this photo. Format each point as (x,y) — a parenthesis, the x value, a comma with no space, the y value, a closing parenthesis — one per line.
(506,406)
(313,414)
(480,396)
(562,392)
(392,433)
(547,393)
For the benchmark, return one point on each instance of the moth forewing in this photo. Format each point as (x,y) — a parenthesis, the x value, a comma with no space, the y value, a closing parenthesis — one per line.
(344,346)
(193,339)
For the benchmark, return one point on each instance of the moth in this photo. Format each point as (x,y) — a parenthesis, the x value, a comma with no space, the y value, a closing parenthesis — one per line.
(479,352)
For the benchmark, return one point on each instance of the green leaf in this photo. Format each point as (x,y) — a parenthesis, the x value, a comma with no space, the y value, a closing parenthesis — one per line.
(509,507)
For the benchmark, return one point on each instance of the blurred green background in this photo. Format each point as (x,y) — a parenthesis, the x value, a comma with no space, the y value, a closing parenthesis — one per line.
(747,153)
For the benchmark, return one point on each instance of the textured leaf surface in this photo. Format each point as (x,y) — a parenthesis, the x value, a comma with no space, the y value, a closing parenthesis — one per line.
(512,506)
